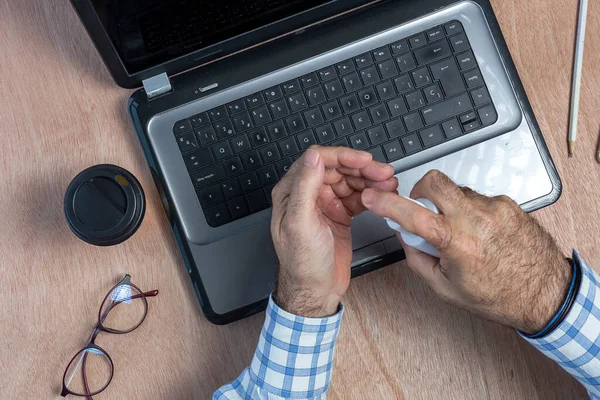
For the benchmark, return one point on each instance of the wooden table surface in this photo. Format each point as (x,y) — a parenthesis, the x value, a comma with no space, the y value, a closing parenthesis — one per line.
(60,112)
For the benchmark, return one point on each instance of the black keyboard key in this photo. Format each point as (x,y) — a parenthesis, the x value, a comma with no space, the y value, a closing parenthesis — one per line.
(417,41)
(411,144)
(468,117)
(415,100)
(199,120)
(316,96)
(257,201)
(447,72)
(395,128)
(267,175)
(279,109)
(397,107)
(314,117)
(327,74)
(231,189)
(487,115)
(269,153)
(295,124)
(218,215)
(261,116)
(331,110)
(385,90)
(471,126)
(431,136)
(208,176)
(198,159)
(258,137)
(276,131)
(367,97)
(236,107)
(306,139)
(182,127)
(460,43)
(233,167)
(242,122)
(297,102)
(352,82)
(406,62)
(251,160)
(249,182)
(466,60)
(324,134)
(341,142)
(290,87)
(288,147)
(346,67)
(473,78)
(433,52)
(382,54)
(377,135)
(255,100)
(268,192)
(378,155)
(334,89)
(400,47)
(421,77)
(387,69)
(359,141)
(433,93)
(451,129)
(363,60)
(453,27)
(187,142)
(309,80)
(435,34)
(240,144)
(217,113)
(273,94)
(379,113)
(238,208)
(447,109)
(413,122)
(480,96)
(350,104)
(404,84)
(282,167)
(361,120)
(224,128)
(343,127)
(222,150)
(210,196)
(393,150)
(369,76)
(206,135)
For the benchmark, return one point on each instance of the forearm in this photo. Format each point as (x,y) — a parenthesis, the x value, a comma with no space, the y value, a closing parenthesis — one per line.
(293,359)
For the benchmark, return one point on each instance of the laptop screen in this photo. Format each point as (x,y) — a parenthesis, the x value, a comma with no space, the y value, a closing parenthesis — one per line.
(149,32)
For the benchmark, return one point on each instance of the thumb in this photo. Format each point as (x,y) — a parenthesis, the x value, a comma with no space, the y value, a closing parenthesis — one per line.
(307,183)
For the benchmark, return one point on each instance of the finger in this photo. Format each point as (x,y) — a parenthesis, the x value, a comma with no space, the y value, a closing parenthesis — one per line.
(411,216)
(421,263)
(440,189)
(354,204)
(306,185)
(375,171)
(337,157)
(360,184)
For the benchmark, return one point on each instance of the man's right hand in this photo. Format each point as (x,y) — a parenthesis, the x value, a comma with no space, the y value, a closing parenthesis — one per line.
(496,260)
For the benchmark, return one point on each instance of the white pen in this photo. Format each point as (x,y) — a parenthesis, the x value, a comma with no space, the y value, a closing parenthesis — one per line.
(579,46)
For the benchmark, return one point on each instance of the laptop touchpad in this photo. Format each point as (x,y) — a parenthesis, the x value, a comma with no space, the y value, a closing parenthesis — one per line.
(367,229)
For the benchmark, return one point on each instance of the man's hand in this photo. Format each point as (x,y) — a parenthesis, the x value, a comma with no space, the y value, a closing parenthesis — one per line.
(496,260)
(313,206)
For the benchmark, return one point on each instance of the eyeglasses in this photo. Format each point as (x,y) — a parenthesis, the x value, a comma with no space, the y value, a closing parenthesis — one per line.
(91,370)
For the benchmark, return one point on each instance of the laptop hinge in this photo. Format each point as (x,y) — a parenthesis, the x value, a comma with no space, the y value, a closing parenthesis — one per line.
(157,85)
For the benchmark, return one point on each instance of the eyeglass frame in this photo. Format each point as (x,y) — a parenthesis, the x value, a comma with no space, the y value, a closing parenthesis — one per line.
(101,328)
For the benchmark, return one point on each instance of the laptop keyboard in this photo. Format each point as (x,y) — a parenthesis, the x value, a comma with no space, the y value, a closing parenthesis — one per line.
(393,102)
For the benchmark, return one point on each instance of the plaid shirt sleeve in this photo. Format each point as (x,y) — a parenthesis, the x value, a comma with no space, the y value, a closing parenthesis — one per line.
(294,359)
(575,343)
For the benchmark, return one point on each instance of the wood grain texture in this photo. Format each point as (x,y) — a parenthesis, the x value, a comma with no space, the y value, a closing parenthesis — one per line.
(60,112)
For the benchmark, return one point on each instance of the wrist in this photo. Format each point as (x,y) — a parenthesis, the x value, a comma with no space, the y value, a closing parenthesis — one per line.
(306,303)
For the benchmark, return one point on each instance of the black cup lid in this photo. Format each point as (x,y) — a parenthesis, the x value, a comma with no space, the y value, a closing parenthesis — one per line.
(105,205)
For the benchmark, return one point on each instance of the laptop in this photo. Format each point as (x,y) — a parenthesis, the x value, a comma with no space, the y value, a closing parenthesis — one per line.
(232,92)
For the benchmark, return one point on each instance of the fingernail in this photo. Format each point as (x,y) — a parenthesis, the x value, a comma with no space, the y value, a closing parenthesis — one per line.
(311,158)
(368,198)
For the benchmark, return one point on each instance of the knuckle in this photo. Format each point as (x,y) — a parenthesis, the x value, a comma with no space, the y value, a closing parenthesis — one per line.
(436,227)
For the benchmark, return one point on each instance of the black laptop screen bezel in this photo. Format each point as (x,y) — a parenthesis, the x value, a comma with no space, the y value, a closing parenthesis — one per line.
(123,78)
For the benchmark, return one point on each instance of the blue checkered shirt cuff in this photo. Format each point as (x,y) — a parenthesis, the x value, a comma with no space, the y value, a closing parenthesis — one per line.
(575,343)
(293,360)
